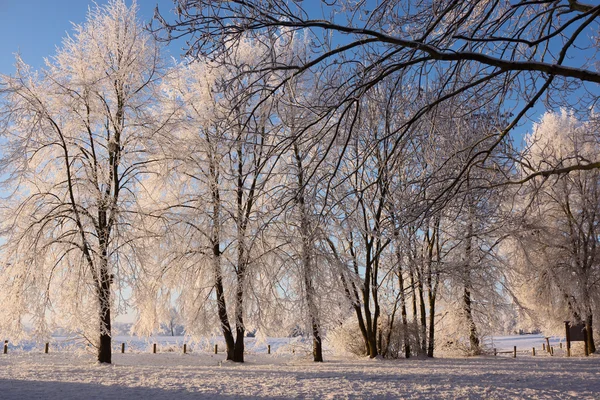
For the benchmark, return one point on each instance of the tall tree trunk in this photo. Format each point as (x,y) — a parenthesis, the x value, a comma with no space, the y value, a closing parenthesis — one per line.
(432,281)
(467,284)
(402,295)
(215,239)
(307,260)
(423,318)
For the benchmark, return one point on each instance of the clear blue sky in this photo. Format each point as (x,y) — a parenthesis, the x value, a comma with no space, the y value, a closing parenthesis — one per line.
(35,27)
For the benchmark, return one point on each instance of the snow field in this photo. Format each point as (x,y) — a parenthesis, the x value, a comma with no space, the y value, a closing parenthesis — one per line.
(283,374)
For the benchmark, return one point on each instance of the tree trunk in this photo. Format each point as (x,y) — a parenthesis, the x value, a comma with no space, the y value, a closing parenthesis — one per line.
(222,311)
(317,345)
(405,329)
(473,336)
(590,334)
(431,345)
(307,260)
(216,260)
(238,352)
(423,318)
(240,330)
(104,345)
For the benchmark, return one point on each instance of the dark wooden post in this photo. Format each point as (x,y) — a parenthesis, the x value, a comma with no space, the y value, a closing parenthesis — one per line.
(560,345)
(552,351)
(184,348)
(216,349)
(568,338)
(6,347)
(548,344)
(122,348)
(268,349)
(544,346)
(533,351)
(495,352)
(154,348)
(46,348)
(515,352)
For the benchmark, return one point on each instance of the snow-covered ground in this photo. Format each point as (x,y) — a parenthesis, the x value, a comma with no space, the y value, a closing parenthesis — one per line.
(71,373)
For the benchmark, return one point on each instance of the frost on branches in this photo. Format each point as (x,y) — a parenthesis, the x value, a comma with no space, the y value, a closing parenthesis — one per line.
(75,137)
(556,249)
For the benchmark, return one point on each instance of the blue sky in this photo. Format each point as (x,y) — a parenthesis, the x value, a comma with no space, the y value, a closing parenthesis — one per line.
(35,27)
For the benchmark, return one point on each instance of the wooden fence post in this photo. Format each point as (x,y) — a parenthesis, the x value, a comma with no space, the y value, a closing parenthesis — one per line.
(216,349)
(184,348)
(568,338)
(544,346)
(533,351)
(6,347)
(515,352)
(495,352)
(154,348)
(552,351)
(46,348)
(548,343)
(122,348)
(268,349)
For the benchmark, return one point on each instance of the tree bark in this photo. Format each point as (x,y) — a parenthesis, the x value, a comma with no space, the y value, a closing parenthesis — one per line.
(104,347)
(590,333)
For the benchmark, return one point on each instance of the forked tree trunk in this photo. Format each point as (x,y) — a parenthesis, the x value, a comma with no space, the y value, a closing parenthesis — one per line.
(215,238)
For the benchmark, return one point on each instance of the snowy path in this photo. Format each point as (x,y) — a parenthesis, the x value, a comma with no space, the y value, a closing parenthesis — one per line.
(31,375)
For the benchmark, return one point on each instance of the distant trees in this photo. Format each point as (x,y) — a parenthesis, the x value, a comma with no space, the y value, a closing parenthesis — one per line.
(75,141)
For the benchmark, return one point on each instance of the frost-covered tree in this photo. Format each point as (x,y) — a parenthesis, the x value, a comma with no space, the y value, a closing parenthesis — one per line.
(75,142)
(213,189)
(557,258)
